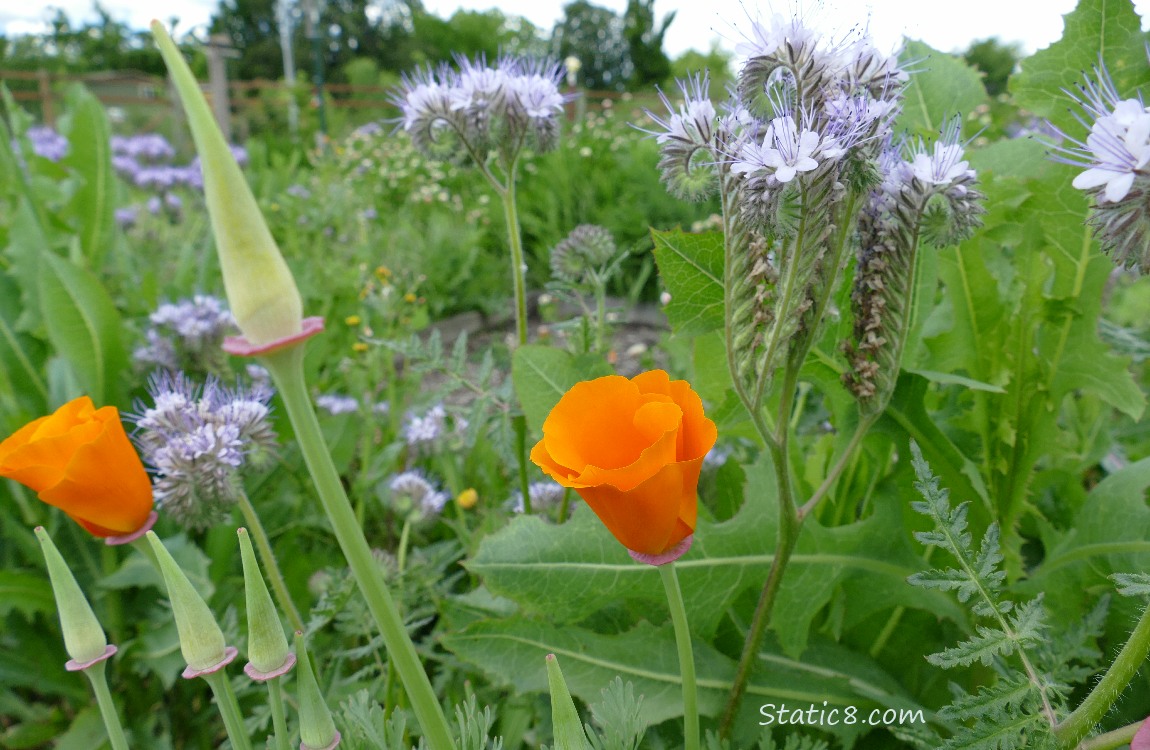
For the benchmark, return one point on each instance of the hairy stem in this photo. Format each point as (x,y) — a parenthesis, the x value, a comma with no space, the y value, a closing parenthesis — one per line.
(1074,727)
(1113,739)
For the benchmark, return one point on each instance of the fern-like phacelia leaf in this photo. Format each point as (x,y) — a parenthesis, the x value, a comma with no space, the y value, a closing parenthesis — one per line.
(618,718)
(1133,584)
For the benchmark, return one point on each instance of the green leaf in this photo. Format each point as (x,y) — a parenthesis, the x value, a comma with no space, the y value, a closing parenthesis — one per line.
(21,363)
(26,593)
(570,572)
(941,87)
(691,266)
(568,728)
(84,326)
(542,374)
(90,157)
(510,651)
(1109,30)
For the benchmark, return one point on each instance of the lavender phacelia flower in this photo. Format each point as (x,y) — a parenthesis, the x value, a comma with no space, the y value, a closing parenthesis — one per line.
(544,496)
(198,440)
(187,336)
(413,496)
(336,404)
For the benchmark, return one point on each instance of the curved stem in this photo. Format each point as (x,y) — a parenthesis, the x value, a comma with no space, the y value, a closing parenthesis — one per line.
(279,720)
(271,567)
(788,534)
(1112,740)
(1074,727)
(97,675)
(686,655)
(518,265)
(860,432)
(286,367)
(229,709)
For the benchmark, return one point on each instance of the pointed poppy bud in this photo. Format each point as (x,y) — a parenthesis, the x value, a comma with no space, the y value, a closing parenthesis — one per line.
(261,292)
(568,732)
(316,729)
(268,654)
(201,640)
(83,637)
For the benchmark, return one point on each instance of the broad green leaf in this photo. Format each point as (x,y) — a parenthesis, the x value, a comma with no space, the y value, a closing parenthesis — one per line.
(24,592)
(90,157)
(1109,30)
(84,326)
(21,364)
(691,266)
(571,571)
(941,87)
(542,374)
(512,653)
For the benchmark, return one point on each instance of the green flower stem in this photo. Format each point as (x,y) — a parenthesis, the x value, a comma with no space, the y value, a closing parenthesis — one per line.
(286,367)
(97,675)
(454,487)
(404,539)
(279,720)
(113,611)
(1112,740)
(519,425)
(565,507)
(686,655)
(1074,727)
(518,265)
(860,432)
(229,709)
(271,567)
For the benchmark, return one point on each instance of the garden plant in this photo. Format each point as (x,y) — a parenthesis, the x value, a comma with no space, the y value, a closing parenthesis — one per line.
(878,481)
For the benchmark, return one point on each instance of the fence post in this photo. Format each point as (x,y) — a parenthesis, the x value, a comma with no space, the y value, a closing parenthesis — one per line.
(218,50)
(47,106)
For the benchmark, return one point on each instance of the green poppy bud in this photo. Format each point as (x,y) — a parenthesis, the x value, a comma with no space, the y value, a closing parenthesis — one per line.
(83,637)
(316,729)
(201,640)
(568,728)
(268,654)
(261,292)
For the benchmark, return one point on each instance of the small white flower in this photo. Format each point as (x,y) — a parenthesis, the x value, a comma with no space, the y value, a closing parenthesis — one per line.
(1120,145)
(784,150)
(942,166)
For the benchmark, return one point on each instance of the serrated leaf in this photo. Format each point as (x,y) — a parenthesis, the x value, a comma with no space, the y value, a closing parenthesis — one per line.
(26,593)
(990,699)
(1109,30)
(983,646)
(941,86)
(691,266)
(1132,584)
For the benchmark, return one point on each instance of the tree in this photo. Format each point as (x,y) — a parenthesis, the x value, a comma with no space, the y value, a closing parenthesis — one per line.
(650,65)
(595,36)
(996,60)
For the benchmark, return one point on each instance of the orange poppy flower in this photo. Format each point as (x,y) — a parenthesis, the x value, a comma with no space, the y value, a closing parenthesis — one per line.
(633,450)
(80,460)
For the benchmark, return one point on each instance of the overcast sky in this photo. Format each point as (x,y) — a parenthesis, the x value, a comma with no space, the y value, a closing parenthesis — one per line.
(947,26)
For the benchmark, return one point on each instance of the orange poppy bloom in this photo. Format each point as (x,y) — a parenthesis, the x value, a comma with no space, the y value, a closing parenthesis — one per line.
(80,460)
(633,450)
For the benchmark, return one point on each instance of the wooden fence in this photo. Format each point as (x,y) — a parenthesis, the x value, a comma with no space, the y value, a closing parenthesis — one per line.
(152,100)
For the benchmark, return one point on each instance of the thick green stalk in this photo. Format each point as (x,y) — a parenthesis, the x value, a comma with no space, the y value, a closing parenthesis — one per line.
(271,567)
(1112,740)
(1074,727)
(686,655)
(286,367)
(97,675)
(279,720)
(229,709)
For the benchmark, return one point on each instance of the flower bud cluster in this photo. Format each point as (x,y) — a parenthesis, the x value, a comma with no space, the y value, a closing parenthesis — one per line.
(198,441)
(187,336)
(483,109)
(46,143)
(587,250)
(412,495)
(1115,155)
(931,193)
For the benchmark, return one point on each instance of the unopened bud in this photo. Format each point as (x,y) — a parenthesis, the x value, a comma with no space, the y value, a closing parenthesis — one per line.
(268,654)
(201,640)
(84,639)
(316,729)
